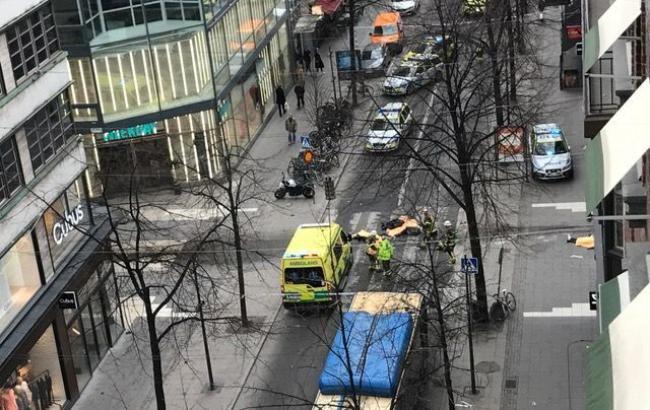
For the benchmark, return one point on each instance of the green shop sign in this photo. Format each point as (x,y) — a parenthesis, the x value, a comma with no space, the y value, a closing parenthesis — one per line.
(131,132)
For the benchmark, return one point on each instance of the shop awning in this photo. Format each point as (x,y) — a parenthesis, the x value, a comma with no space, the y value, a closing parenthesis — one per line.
(618,146)
(307,24)
(328,6)
(618,363)
(613,297)
(610,26)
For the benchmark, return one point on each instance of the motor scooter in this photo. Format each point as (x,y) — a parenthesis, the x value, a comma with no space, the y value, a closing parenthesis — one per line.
(293,188)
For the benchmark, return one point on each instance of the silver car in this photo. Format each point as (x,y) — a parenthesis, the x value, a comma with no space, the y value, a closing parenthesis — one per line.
(374,59)
(549,152)
(405,7)
(391,123)
(409,75)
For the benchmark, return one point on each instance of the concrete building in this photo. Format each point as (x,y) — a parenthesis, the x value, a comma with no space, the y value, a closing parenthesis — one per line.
(161,87)
(48,228)
(616,100)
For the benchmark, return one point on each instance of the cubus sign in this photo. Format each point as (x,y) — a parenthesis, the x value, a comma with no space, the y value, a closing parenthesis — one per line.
(131,132)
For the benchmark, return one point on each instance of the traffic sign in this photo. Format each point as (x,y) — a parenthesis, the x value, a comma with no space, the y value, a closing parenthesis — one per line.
(593,300)
(469,265)
(305,142)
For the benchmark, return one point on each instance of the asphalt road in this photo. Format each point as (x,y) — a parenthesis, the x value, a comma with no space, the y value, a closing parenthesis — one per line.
(374,188)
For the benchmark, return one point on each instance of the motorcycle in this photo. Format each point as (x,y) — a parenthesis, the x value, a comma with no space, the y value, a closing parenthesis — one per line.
(293,188)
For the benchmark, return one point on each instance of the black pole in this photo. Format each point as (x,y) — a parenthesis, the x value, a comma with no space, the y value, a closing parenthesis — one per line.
(500,269)
(208,362)
(336,100)
(469,331)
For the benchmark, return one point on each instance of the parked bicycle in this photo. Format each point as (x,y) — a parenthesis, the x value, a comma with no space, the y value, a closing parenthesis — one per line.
(504,304)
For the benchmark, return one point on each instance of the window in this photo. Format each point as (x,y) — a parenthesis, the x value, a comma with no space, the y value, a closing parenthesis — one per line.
(10,175)
(48,131)
(31,42)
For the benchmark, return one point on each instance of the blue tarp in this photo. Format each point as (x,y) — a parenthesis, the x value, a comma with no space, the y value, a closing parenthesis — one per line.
(376,347)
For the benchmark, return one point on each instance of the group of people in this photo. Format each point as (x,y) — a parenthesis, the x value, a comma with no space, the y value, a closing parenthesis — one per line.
(304,60)
(380,250)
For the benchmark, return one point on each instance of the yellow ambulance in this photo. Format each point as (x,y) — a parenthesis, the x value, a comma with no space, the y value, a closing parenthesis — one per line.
(316,262)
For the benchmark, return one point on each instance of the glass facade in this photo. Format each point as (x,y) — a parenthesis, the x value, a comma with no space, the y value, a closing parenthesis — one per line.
(10,175)
(97,324)
(40,373)
(19,279)
(146,79)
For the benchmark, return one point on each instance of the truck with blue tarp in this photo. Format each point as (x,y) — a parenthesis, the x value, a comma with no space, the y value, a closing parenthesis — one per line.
(370,355)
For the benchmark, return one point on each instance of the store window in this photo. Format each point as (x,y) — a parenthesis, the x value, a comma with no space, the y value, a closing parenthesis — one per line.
(212,7)
(218,47)
(239,138)
(19,279)
(246,27)
(38,382)
(63,225)
(253,102)
(82,91)
(31,42)
(48,131)
(10,176)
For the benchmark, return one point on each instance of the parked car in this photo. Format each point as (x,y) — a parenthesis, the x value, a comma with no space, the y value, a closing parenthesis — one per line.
(391,122)
(549,153)
(409,75)
(405,7)
(375,59)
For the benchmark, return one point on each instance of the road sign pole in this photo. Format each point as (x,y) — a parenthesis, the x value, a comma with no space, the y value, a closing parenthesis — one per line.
(468,287)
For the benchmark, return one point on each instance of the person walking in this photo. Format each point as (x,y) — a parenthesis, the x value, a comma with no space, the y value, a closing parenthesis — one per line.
(318,61)
(280,100)
(372,247)
(300,95)
(429,228)
(306,58)
(448,243)
(290,125)
(385,254)
(300,76)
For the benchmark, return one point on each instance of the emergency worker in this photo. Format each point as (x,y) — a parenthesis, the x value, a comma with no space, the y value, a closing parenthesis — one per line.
(429,228)
(448,242)
(372,247)
(385,254)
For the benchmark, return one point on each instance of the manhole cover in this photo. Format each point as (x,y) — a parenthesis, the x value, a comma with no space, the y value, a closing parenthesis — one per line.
(511,383)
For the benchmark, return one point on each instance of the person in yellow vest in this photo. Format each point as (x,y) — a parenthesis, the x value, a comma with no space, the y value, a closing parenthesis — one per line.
(385,254)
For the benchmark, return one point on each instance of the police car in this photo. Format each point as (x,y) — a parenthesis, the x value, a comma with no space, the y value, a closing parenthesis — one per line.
(550,154)
(409,75)
(391,122)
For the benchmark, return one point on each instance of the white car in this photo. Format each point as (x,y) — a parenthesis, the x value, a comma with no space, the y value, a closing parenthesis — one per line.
(409,75)
(391,122)
(549,153)
(405,7)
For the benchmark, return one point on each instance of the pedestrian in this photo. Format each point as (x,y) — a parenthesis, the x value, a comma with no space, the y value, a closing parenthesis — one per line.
(306,59)
(300,75)
(318,62)
(300,95)
(385,254)
(280,100)
(290,125)
(372,247)
(429,228)
(448,243)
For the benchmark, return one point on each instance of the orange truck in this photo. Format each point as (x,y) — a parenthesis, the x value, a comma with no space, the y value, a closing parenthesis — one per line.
(388,30)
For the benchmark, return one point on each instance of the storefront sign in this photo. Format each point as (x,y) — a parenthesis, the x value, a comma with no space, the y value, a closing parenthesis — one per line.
(131,132)
(71,219)
(68,300)
(574,32)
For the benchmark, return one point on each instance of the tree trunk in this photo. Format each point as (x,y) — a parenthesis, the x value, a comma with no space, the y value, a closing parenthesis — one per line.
(353,83)
(496,74)
(511,59)
(475,247)
(156,361)
(443,331)
(240,262)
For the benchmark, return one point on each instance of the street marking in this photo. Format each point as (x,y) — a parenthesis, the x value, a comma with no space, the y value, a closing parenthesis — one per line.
(577,257)
(576,310)
(157,214)
(564,206)
(409,170)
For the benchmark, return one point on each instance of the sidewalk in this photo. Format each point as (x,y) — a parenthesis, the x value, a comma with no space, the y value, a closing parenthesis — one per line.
(123,378)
